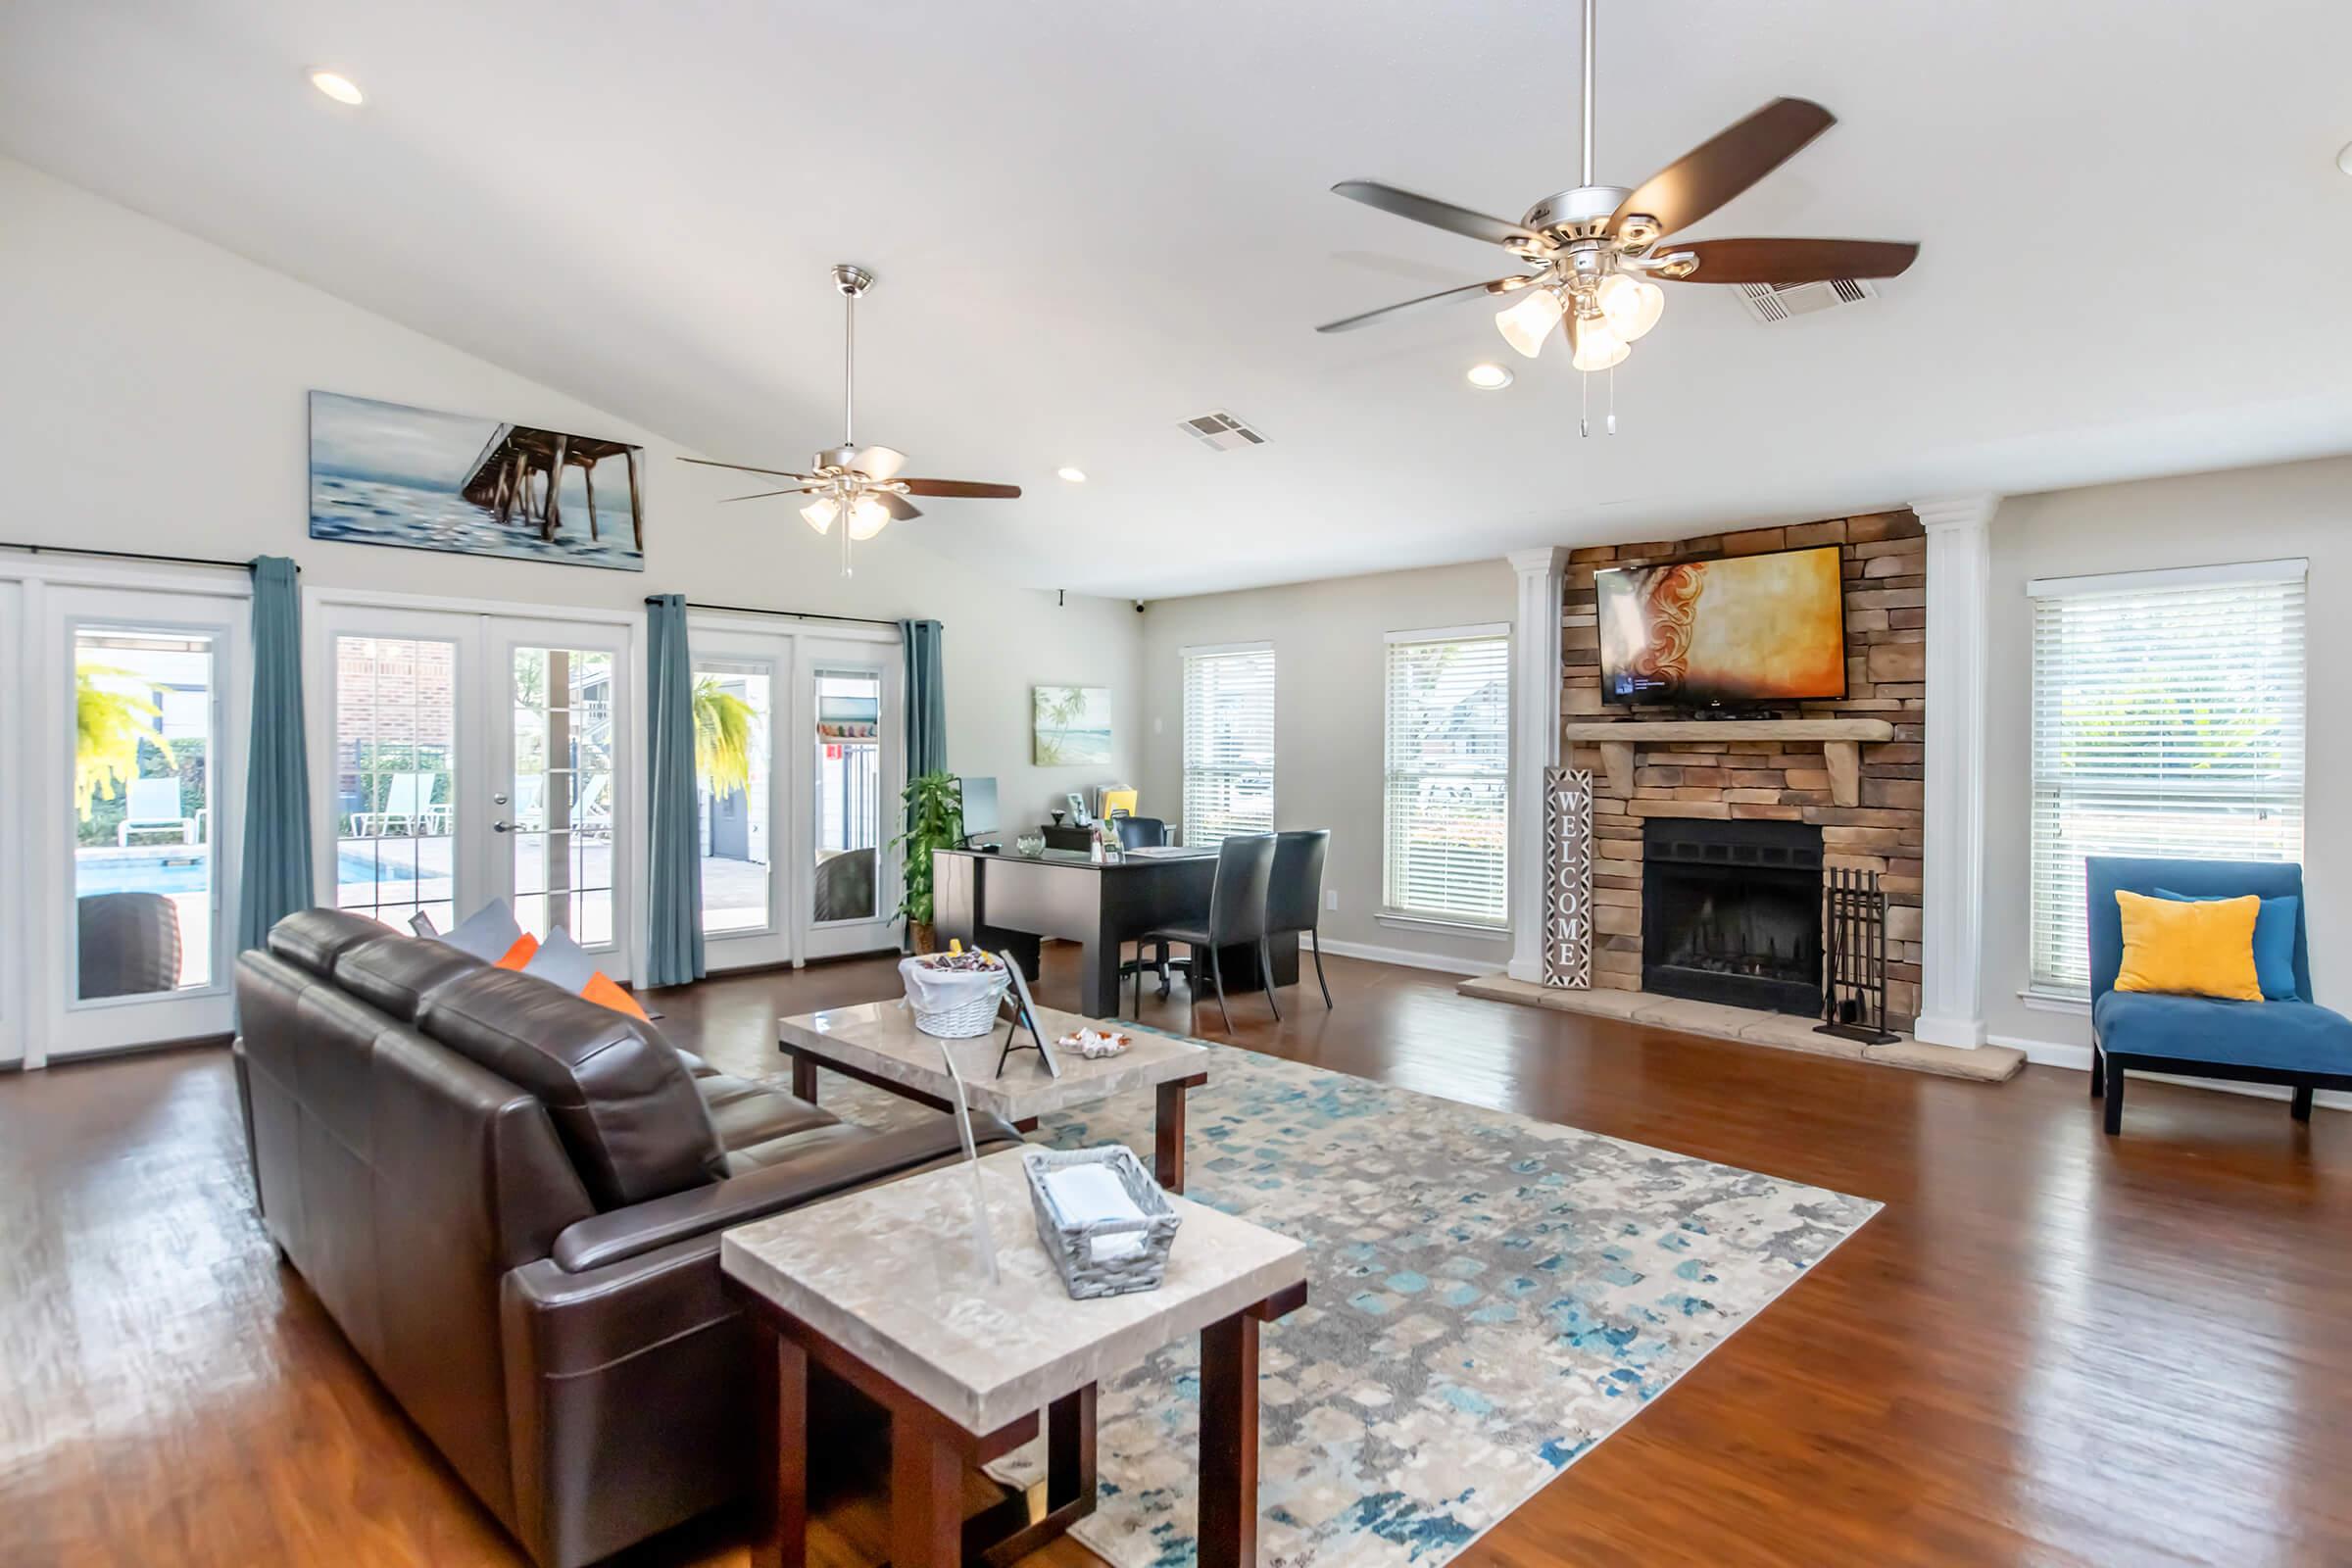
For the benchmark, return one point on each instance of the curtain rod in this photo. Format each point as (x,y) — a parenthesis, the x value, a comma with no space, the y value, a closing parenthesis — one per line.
(796,614)
(130,555)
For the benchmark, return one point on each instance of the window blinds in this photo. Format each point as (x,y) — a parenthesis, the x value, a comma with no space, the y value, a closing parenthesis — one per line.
(1449,761)
(1228,743)
(2168,720)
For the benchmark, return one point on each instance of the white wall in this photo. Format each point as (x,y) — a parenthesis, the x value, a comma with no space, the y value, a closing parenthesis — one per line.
(1329,723)
(2267,513)
(154,390)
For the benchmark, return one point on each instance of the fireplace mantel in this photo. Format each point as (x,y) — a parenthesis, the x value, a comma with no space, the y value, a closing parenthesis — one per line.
(1840,740)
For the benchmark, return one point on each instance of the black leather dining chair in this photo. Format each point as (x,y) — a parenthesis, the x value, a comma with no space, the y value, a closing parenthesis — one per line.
(1295,893)
(1237,917)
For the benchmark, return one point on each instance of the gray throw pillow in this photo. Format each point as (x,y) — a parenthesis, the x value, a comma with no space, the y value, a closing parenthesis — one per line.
(562,961)
(485,934)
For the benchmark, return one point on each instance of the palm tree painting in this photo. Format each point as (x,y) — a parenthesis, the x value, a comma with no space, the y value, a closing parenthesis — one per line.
(1071,726)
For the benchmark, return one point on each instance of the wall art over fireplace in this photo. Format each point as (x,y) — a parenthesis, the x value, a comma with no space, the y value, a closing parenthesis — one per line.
(383,473)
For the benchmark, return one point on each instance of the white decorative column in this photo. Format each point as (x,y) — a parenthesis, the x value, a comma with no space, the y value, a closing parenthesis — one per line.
(1951,1006)
(1535,743)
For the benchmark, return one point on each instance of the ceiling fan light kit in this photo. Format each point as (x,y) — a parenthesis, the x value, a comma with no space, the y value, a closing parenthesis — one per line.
(857,486)
(1592,256)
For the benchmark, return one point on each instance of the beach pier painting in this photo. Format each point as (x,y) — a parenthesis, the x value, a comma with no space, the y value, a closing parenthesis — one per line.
(385,473)
(516,462)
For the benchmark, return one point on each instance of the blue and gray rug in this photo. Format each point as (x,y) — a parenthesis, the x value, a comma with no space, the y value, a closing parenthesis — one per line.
(1489,1296)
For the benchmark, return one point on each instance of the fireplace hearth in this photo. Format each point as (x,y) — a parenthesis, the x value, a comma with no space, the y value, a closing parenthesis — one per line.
(1731,912)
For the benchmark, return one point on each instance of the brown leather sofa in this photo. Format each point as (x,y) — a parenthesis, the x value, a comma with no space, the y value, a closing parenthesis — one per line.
(509,1199)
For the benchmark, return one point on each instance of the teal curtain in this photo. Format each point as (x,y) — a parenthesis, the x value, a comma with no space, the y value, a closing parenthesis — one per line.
(926,699)
(276,878)
(674,848)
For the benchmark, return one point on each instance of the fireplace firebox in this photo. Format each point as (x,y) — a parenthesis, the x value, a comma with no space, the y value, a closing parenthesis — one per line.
(1731,912)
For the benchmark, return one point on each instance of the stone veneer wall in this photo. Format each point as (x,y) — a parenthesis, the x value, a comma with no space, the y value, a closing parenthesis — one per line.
(1885,556)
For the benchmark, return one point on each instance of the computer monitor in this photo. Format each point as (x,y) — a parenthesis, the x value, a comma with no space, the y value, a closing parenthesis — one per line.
(980,808)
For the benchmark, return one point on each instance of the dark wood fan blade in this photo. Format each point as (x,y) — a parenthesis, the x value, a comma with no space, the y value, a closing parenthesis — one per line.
(971,488)
(897,506)
(1428,210)
(1500,286)
(1714,171)
(1792,261)
(789,490)
(745,467)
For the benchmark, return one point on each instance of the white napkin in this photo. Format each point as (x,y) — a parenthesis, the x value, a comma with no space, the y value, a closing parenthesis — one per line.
(1087,1195)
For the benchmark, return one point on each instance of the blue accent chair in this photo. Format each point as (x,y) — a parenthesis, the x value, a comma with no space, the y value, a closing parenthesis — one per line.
(2298,1043)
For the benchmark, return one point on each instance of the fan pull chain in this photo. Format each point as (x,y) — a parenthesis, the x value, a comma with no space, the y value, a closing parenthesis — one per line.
(845,543)
(1584,418)
(1612,400)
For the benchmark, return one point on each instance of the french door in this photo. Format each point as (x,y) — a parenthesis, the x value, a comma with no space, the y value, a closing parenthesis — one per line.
(460,758)
(743,701)
(135,740)
(16,922)
(849,720)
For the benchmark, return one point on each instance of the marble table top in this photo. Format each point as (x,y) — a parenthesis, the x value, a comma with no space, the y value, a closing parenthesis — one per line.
(879,1038)
(893,1275)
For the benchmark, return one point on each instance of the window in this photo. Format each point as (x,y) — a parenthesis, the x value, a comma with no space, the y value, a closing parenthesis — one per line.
(2168,720)
(1228,742)
(1448,767)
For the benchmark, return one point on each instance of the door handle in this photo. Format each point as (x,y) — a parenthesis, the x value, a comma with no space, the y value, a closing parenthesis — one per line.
(503,827)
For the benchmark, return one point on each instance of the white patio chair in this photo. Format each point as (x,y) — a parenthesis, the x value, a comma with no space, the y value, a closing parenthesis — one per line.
(153,807)
(595,807)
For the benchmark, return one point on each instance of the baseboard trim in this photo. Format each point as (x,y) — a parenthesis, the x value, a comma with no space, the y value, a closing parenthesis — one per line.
(2076,1059)
(1404,956)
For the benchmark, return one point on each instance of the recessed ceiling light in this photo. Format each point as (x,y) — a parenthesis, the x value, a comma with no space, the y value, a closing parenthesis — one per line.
(2343,159)
(341,89)
(1074,475)
(1488,378)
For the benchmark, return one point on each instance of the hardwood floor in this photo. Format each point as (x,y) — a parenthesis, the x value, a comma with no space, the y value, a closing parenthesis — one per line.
(2050,1347)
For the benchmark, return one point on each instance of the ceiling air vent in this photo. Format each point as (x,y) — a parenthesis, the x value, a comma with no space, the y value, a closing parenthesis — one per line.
(1223,431)
(1778,301)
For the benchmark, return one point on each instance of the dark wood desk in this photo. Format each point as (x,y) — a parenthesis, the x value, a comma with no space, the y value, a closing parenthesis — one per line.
(1010,902)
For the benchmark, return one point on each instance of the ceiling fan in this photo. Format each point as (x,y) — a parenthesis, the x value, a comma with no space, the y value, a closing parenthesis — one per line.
(857,486)
(1589,255)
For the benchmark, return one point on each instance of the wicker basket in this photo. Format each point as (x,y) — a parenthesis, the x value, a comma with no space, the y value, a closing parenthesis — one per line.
(953,1003)
(1072,1245)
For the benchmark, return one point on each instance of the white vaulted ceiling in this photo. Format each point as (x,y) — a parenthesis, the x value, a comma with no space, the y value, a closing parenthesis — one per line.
(1092,220)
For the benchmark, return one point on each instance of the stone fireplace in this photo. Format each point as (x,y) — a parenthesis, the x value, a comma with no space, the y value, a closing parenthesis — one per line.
(1846,775)
(1731,912)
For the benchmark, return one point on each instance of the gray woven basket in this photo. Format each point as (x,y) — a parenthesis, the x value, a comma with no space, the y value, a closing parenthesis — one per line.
(1071,1246)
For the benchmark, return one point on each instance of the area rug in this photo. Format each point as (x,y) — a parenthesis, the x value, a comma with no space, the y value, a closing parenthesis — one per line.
(1489,1296)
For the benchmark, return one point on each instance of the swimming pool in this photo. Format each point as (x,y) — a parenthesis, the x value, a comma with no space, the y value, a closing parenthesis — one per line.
(178,868)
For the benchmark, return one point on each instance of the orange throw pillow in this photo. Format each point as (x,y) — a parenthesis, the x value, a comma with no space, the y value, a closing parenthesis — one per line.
(602,989)
(526,947)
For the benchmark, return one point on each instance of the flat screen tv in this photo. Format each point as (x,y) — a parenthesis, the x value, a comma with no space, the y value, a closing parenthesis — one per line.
(1744,630)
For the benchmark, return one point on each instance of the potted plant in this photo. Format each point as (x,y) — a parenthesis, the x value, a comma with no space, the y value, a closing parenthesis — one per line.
(934,821)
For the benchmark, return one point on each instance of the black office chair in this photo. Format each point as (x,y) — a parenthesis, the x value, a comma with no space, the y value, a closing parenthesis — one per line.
(1237,915)
(1140,832)
(1294,894)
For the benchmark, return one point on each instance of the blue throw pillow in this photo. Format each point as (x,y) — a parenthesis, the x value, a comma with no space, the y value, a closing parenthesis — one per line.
(2274,940)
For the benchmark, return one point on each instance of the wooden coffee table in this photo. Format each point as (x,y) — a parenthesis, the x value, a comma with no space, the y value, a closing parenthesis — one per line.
(885,1289)
(877,1043)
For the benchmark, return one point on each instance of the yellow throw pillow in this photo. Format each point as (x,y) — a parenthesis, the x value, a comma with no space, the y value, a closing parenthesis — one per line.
(2195,949)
